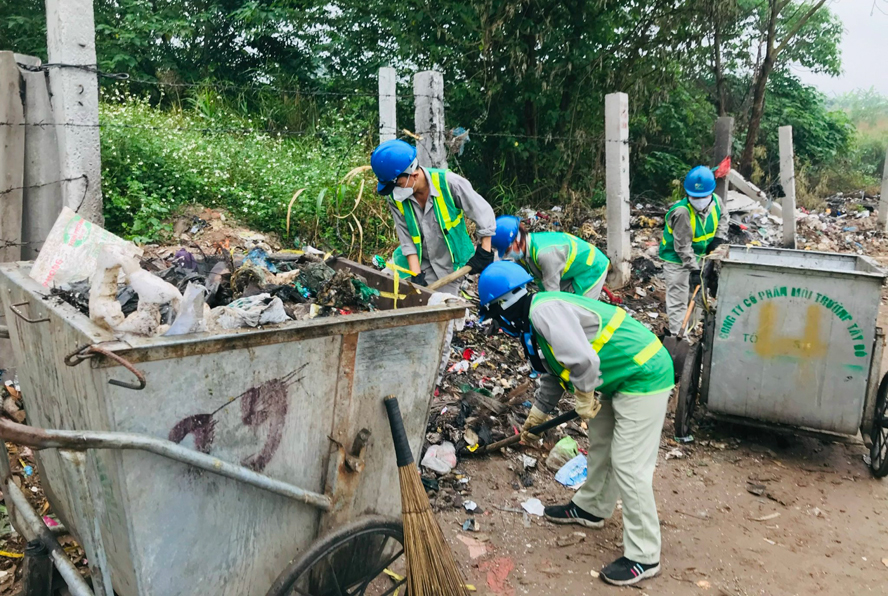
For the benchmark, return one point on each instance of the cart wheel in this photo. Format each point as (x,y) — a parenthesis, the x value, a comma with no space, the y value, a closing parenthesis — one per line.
(688,384)
(350,561)
(879,432)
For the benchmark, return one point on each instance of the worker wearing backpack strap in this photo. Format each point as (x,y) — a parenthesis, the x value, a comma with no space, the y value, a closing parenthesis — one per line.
(581,345)
(557,261)
(429,207)
(695,226)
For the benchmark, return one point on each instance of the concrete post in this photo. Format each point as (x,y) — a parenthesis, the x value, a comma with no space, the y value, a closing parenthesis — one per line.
(616,128)
(428,91)
(724,141)
(388,104)
(12,159)
(71,39)
(787,181)
(42,195)
(883,198)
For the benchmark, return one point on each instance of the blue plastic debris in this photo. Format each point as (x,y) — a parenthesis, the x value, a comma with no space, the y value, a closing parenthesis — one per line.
(29,471)
(574,472)
(259,258)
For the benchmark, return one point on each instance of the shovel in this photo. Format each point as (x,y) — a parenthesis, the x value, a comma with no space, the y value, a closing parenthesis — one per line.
(536,430)
(677,345)
(449,278)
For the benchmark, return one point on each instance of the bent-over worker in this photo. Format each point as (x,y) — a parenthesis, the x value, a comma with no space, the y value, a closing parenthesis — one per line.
(557,261)
(695,226)
(429,207)
(581,345)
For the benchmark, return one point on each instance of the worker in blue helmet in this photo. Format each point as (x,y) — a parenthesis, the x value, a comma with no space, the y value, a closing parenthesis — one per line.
(430,207)
(582,346)
(694,227)
(558,261)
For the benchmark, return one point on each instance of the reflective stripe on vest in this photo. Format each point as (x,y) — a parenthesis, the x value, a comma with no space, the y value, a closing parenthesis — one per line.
(583,272)
(699,243)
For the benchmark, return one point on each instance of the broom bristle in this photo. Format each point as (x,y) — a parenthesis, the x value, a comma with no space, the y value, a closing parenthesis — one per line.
(431,568)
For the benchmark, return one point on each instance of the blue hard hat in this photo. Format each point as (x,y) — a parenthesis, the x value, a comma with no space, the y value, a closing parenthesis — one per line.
(699,182)
(389,160)
(500,278)
(506,231)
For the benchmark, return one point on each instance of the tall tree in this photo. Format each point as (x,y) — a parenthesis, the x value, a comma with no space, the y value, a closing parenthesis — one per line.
(780,32)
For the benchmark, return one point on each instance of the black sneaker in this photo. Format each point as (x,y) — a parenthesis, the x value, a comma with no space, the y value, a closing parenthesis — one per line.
(624,572)
(571,514)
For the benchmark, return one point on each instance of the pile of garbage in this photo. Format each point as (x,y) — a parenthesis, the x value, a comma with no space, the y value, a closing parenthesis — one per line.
(177,291)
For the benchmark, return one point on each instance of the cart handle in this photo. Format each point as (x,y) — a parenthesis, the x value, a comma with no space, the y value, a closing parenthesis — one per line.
(79,440)
(15,308)
(81,354)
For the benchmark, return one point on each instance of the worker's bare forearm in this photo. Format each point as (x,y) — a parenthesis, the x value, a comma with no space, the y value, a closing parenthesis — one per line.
(413,263)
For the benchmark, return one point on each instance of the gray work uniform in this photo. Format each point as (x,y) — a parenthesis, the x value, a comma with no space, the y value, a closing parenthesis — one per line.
(624,438)
(677,277)
(436,261)
(552,262)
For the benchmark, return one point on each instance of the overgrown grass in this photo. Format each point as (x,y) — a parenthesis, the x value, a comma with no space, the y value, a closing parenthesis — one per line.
(156,162)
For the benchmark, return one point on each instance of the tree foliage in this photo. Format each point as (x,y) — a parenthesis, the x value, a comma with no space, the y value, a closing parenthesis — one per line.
(527,78)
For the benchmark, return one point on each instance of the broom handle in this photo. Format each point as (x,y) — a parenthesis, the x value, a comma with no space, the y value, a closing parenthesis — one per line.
(399,435)
(684,324)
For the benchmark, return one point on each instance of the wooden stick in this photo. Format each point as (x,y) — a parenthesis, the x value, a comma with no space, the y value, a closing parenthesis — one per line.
(566,417)
(462,271)
(684,324)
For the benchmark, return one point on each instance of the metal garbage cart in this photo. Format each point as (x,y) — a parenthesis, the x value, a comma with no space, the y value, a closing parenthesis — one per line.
(207,464)
(793,343)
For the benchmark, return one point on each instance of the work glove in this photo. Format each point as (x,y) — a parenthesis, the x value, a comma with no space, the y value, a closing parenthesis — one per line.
(480,260)
(716,242)
(710,275)
(534,418)
(694,281)
(587,404)
(419,279)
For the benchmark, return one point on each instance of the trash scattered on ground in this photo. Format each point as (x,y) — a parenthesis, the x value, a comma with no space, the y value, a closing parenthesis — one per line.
(470,525)
(533,506)
(573,473)
(476,547)
(470,505)
(440,458)
(564,450)
(756,489)
(528,462)
(768,517)
(674,454)
(571,540)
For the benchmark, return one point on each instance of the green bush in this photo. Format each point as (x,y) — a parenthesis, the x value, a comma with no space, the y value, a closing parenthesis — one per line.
(155,162)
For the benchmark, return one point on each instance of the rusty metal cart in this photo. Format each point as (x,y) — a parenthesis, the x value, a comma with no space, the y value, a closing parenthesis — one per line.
(223,459)
(793,345)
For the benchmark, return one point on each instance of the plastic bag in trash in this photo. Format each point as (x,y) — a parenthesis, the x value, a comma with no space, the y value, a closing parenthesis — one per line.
(573,473)
(262,309)
(71,249)
(563,451)
(190,318)
(440,458)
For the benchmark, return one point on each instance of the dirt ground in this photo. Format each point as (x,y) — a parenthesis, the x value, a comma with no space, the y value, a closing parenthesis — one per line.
(819,527)
(829,536)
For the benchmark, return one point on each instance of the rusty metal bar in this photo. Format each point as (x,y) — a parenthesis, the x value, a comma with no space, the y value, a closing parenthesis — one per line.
(81,354)
(23,316)
(38,438)
(35,529)
(872,386)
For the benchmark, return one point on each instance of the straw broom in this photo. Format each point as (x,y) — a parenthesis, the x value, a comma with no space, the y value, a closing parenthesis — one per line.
(431,569)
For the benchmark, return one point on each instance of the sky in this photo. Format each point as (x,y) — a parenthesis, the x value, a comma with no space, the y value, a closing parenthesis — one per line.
(864,49)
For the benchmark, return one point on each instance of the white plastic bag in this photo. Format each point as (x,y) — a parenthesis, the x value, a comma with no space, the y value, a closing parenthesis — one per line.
(440,458)
(71,249)
(253,311)
(190,318)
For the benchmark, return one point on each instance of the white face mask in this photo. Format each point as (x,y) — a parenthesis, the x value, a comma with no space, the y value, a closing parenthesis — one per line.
(701,204)
(403,193)
(514,255)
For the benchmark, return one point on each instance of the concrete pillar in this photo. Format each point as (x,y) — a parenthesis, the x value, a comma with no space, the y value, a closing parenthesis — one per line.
(42,195)
(71,39)
(388,104)
(12,159)
(787,181)
(883,198)
(428,91)
(616,128)
(724,141)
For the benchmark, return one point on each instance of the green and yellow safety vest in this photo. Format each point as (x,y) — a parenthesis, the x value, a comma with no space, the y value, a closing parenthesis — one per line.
(702,231)
(585,266)
(633,361)
(449,217)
